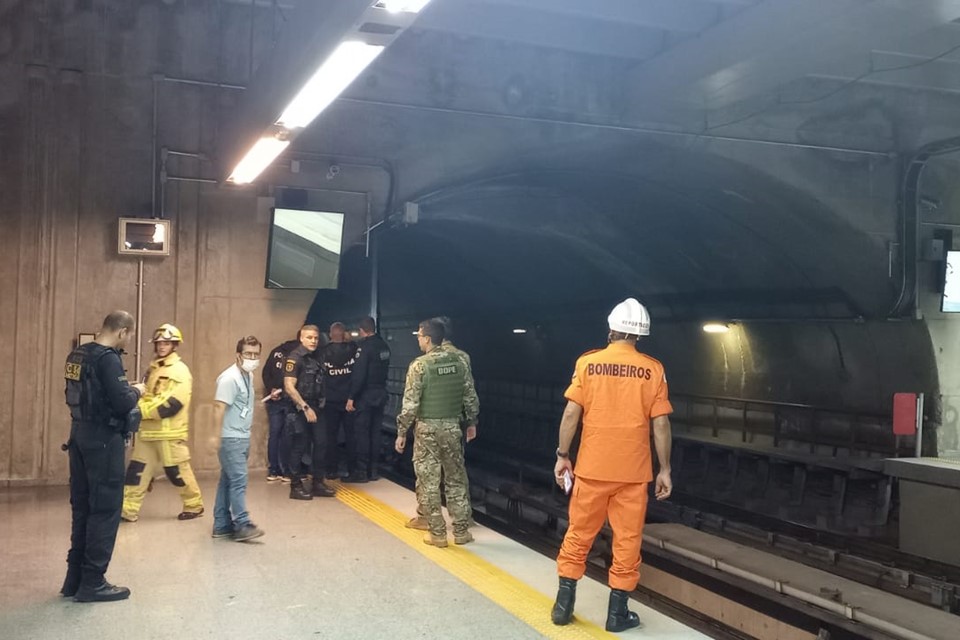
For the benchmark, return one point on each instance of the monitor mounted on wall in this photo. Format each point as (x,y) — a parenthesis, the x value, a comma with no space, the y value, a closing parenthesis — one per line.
(143,237)
(304,250)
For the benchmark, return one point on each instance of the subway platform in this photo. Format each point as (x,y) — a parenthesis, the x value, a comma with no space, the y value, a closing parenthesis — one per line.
(340,567)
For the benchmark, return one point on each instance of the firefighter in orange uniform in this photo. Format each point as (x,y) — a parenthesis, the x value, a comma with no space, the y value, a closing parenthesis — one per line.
(619,393)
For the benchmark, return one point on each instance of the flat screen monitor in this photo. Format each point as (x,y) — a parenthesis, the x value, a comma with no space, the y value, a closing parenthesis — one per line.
(305,248)
(951,284)
(143,237)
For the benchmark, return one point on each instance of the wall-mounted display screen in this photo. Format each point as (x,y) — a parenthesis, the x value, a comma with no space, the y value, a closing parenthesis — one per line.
(305,248)
(143,236)
(951,284)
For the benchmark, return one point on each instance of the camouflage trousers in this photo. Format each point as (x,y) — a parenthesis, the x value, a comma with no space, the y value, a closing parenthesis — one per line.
(436,448)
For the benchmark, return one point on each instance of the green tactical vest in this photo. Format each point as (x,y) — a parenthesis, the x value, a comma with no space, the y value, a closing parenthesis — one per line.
(442,395)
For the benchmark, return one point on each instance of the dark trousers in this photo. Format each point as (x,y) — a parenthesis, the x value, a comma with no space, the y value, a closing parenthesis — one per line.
(278,446)
(363,443)
(336,416)
(302,435)
(96,496)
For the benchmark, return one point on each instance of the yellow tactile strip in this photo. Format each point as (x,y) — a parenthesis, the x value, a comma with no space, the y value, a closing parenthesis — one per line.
(521,600)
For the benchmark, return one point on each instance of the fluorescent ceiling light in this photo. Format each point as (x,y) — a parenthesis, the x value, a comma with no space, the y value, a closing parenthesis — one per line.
(402,6)
(257,159)
(519,331)
(716,327)
(334,75)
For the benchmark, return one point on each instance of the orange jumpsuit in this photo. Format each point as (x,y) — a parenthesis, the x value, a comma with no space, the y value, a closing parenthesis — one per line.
(621,390)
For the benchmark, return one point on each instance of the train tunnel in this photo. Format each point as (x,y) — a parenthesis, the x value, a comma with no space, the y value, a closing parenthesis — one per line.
(781,171)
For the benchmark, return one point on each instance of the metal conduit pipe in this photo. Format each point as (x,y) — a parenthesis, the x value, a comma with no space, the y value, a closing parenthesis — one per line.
(841,609)
(185,179)
(154,150)
(910,223)
(362,161)
(612,127)
(139,332)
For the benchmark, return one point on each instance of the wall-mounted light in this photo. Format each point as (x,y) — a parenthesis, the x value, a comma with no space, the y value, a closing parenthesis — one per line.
(716,327)
(519,331)
(257,159)
(343,66)
(405,6)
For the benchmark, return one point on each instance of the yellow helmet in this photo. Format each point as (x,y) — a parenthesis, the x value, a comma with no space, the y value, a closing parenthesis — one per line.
(167,333)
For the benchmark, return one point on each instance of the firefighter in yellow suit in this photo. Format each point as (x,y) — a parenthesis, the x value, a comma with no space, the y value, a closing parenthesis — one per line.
(162,440)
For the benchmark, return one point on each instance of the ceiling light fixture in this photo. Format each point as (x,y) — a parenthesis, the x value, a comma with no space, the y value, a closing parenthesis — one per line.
(519,331)
(336,73)
(716,327)
(402,6)
(257,159)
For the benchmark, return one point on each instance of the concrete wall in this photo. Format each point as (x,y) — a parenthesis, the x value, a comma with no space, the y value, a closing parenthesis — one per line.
(76,103)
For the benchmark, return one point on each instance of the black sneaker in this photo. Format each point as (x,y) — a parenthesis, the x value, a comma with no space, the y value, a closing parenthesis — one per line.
(190,515)
(106,592)
(247,532)
(222,533)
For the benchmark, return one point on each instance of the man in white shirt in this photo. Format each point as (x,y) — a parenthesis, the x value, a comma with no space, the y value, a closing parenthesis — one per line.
(233,409)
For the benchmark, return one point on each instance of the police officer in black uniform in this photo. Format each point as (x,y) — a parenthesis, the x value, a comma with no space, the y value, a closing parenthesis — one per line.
(338,359)
(368,398)
(103,413)
(303,384)
(278,442)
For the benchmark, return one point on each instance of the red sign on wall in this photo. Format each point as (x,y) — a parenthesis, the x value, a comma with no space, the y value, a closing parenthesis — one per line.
(904,414)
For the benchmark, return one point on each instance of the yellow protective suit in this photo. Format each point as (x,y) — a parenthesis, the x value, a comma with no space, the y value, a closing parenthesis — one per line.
(162,440)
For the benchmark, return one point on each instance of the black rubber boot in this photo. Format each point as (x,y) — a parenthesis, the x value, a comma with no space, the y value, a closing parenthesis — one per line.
(106,592)
(72,582)
(619,618)
(298,491)
(321,490)
(566,597)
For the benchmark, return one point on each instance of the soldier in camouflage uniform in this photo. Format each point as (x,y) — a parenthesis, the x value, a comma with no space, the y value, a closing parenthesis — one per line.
(437,396)
(419,521)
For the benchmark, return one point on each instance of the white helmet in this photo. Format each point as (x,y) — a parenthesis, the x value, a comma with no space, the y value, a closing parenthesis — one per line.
(630,317)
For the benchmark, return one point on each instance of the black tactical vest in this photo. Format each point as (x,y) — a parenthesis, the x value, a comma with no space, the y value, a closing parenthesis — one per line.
(310,380)
(82,385)
(85,395)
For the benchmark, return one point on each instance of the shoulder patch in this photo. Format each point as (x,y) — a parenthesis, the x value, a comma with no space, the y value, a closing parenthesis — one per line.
(73,371)
(290,366)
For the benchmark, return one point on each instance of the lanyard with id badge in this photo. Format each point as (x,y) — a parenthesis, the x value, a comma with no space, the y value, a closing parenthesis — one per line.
(245,410)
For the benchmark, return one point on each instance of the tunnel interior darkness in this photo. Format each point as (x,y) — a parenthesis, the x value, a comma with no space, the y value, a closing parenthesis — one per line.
(551,251)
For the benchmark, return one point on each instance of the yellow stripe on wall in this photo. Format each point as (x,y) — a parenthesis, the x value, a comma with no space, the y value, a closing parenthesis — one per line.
(521,600)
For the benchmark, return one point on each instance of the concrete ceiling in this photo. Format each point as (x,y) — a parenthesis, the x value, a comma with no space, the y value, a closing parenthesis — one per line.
(770,69)
(761,136)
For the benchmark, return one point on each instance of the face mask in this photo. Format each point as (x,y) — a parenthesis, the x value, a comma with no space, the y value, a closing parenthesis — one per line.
(250,365)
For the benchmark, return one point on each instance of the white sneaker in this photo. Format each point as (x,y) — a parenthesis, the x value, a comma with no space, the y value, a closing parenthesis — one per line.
(272,478)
